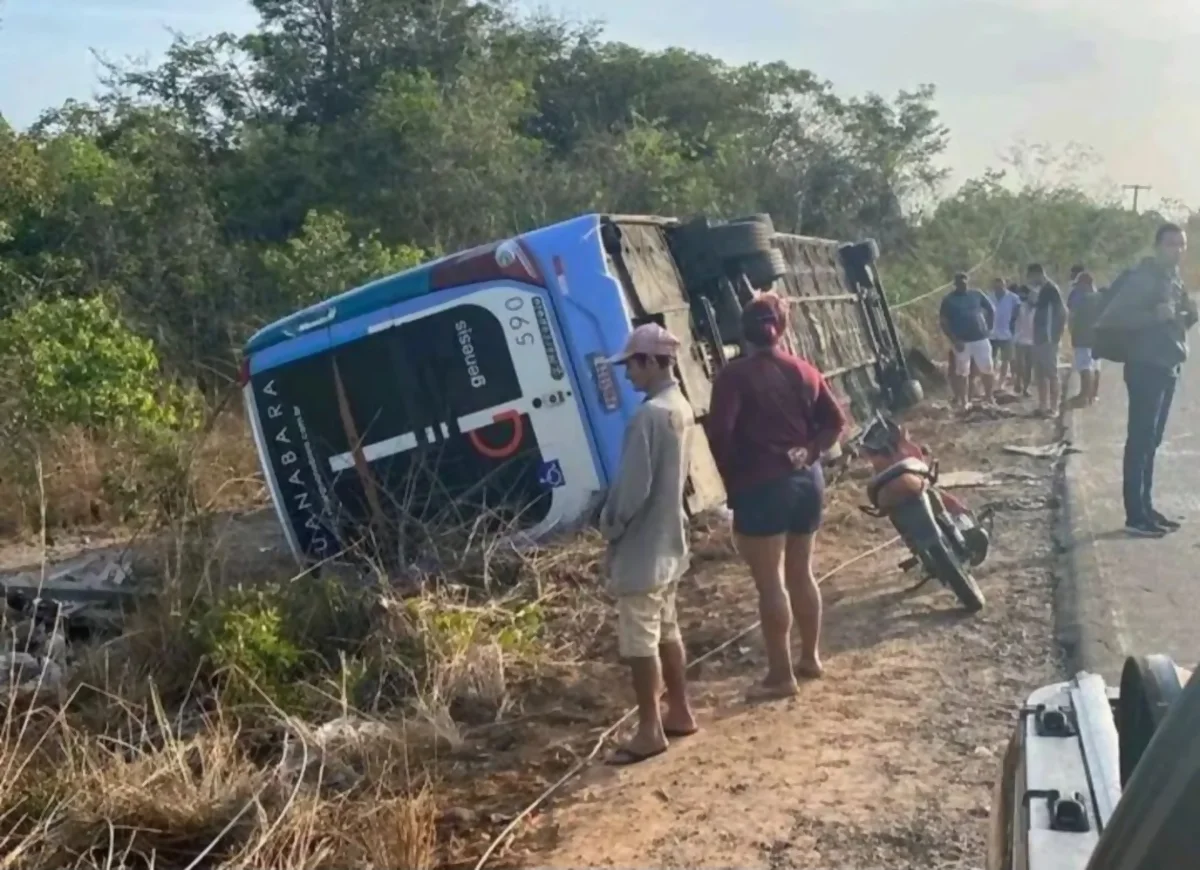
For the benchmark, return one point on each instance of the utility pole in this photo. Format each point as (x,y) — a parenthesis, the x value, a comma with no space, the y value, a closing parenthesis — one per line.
(1136,188)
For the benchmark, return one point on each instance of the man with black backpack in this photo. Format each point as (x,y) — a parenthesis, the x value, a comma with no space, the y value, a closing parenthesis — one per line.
(1144,325)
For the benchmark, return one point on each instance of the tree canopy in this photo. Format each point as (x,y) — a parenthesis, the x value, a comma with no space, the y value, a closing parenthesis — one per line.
(248,174)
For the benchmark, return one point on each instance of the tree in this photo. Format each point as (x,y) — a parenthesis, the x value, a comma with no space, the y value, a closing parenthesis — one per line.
(250,174)
(324,259)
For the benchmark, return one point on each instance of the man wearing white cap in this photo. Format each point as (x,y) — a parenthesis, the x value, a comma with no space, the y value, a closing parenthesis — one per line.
(646,529)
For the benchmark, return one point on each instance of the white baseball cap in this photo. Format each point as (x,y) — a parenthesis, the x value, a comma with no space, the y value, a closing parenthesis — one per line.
(649,339)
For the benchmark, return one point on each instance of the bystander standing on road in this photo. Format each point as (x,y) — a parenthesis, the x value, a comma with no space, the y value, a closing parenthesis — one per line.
(1084,305)
(1049,323)
(771,418)
(644,523)
(1145,325)
(1073,282)
(967,317)
(1006,303)
(1023,340)
(1073,288)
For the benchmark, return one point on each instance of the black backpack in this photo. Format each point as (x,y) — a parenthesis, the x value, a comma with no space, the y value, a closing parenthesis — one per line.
(1111,342)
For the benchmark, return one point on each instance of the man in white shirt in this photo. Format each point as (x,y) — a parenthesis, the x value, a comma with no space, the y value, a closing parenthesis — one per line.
(1005,303)
(644,523)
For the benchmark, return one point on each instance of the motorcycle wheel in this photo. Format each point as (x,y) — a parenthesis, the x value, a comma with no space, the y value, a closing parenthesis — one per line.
(950,571)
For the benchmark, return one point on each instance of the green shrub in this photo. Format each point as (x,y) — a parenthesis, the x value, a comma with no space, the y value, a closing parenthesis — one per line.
(245,640)
(72,362)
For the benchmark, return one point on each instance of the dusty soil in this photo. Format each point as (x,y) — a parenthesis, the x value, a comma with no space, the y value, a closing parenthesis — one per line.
(889,761)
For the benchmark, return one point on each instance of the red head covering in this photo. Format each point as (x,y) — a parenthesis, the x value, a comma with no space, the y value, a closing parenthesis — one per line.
(764,319)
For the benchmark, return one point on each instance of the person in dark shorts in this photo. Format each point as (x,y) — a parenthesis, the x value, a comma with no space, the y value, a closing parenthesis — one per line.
(772,416)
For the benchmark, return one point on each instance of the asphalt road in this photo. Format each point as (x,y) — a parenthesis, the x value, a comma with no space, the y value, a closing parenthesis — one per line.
(1132,596)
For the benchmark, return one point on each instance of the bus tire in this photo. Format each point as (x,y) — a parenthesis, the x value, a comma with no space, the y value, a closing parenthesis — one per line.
(763,269)
(760,218)
(698,267)
(736,240)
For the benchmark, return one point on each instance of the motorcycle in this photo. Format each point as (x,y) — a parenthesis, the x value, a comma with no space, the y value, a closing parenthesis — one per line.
(943,535)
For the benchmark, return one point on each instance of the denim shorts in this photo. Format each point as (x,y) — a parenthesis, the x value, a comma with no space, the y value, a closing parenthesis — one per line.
(788,505)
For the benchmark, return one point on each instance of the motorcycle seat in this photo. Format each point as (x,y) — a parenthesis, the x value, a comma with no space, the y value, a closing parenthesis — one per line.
(908,465)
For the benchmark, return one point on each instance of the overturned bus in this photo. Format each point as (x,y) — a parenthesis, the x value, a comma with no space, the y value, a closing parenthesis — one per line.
(473,392)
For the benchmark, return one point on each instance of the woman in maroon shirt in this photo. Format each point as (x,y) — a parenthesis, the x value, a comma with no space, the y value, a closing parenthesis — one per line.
(772,416)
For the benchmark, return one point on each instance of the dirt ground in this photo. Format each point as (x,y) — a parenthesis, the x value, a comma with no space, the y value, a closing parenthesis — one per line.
(886,763)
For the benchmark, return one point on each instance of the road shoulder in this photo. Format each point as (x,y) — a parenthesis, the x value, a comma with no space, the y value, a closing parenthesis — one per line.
(891,759)
(1086,625)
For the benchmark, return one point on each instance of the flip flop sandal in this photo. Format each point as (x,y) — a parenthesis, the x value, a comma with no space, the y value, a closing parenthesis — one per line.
(625,756)
(676,734)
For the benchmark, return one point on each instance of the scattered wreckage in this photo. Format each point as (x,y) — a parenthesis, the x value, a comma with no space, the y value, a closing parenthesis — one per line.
(47,609)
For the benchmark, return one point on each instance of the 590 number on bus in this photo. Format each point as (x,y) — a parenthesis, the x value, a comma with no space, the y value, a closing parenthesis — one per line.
(515,305)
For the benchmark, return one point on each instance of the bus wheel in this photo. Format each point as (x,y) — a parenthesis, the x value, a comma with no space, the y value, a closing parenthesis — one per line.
(733,241)
(763,269)
(760,218)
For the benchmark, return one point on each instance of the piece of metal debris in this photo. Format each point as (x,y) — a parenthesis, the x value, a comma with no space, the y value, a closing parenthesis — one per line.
(95,577)
(968,478)
(1043,451)
(28,674)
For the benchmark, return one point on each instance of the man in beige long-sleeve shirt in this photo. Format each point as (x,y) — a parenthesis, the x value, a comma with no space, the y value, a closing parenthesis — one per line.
(646,529)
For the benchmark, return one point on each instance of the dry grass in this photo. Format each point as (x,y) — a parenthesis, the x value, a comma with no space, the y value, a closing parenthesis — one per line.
(247,716)
(91,482)
(175,796)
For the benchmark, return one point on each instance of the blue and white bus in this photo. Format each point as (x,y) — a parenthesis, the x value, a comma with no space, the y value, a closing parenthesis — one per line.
(476,386)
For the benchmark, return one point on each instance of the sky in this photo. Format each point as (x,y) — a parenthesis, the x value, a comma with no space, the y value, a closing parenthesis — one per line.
(1111,75)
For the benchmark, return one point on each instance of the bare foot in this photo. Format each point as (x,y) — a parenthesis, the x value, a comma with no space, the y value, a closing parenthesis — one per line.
(773,690)
(681,724)
(810,670)
(639,748)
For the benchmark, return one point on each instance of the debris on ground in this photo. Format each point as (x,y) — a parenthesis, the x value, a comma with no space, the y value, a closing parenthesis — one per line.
(23,675)
(1043,451)
(1033,503)
(91,577)
(50,608)
(860,770)
(979,411)
(969,479)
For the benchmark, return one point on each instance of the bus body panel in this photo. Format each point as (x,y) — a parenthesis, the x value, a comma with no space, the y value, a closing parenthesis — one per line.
(352,419)
(596,322)
(354,303)
(479,382)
